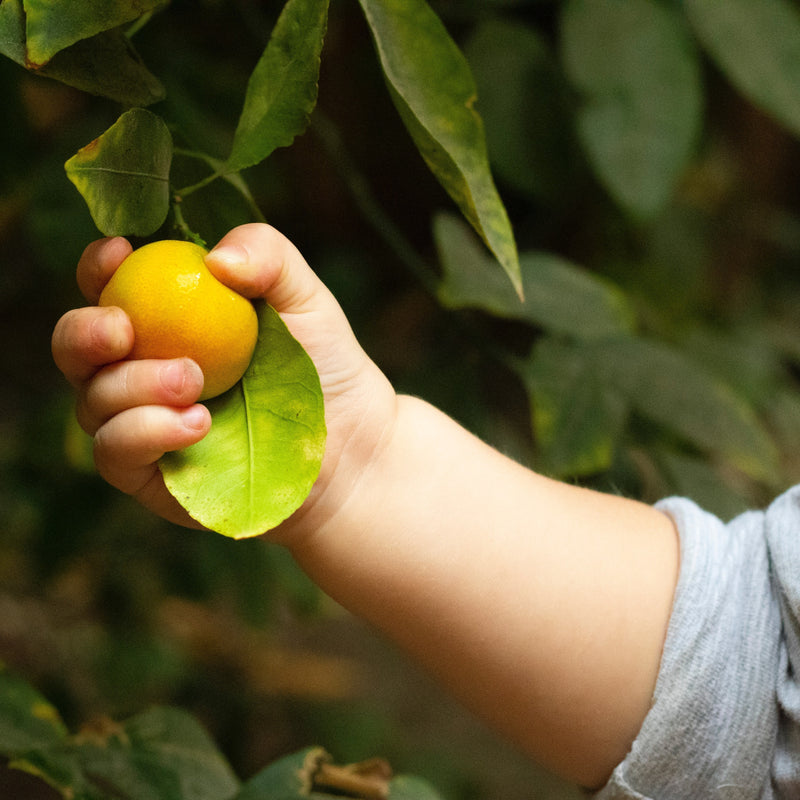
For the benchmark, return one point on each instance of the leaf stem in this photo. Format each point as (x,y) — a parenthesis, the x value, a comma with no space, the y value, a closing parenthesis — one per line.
(331,139)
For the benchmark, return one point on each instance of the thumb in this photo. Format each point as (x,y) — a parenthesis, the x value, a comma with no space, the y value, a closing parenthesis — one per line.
(256,260)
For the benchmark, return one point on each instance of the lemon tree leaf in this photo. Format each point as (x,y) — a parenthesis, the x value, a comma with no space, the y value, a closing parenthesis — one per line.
(124,175)
(434,92)
(282,90)
(12,30)
(756,43)
(577,417)
(52,25)
(161,754)
(105,64)
(672,390)
(524,106)
(288,778)
(559,296)
(637,73)
(263,453)
(27,720)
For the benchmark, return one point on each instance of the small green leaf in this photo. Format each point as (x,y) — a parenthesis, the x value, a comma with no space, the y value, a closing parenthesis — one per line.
(559,296)
(124,175)
(432,87)
(263,454)
(52,25)
(577,416)
(756,43)
(282,90)
(27,720)
(637,73)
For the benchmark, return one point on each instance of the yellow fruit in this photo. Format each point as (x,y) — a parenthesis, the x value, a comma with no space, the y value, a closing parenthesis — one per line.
(178,308)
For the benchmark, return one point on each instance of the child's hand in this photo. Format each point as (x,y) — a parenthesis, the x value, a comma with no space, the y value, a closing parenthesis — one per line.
(138,410)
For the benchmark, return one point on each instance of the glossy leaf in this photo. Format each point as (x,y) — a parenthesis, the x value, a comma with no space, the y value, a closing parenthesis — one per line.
(27,720)
(263,454)
(282,90)
(756,43)
(52,25)
(161,754)
(124,175)
(559,296)
(577,416)
(433,89)
(637,75)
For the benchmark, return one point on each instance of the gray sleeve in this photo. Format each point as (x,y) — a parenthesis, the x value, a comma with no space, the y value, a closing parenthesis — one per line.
(714,729)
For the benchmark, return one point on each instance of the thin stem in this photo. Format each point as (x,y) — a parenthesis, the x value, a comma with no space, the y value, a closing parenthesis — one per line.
(331,140)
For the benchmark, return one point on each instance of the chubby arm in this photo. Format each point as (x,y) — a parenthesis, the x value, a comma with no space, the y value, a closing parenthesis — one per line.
(542,606)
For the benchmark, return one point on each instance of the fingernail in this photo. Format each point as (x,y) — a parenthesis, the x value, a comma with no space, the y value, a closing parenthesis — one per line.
(195,417)
(173,376)
(229,255)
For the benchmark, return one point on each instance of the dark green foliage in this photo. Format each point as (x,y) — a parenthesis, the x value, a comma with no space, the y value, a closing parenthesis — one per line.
(651,189)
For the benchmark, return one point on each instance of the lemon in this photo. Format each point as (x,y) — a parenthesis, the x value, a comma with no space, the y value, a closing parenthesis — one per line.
(178,308)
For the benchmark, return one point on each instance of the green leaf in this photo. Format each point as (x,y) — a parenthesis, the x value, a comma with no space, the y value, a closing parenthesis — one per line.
(52,25)
(671,390)
(105,64)
(577,416)
(756,43)
(12,30)
(282,90)
(161,754)
(432,87)
(559,296)
(263,454)
(288,778)
(27,720)
(523,103)
(637,74)
(700,481)
(124,175)
(409,787)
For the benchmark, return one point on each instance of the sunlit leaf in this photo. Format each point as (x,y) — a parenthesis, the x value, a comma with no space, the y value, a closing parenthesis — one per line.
(124,175)
(433,89)
(52,25)
(263,454)
(577,416)
(282,90)
(559,296)
(27,720)
(637,75)
(757,45)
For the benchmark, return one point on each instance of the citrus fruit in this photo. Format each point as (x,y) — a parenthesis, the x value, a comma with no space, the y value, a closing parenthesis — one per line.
(178,309)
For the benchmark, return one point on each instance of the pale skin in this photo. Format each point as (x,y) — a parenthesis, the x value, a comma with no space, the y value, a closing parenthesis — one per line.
(542,606)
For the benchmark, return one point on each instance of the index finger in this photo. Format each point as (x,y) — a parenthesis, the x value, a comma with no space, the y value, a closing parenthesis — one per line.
(98,263)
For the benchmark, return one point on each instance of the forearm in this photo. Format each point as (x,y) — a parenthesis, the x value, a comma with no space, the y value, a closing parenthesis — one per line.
(542,606)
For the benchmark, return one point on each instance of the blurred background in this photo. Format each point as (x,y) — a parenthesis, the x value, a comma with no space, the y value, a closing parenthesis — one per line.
(108,610)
